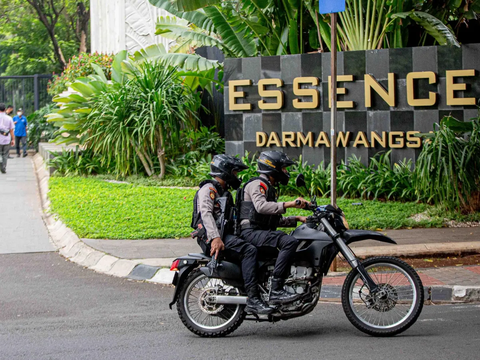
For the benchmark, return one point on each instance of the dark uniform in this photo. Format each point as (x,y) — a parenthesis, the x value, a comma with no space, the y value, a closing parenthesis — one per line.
(213,218)
(260,216)
(235,248)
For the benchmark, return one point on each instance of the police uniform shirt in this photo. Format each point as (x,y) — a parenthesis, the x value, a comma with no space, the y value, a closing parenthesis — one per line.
(208,210)
(256,192)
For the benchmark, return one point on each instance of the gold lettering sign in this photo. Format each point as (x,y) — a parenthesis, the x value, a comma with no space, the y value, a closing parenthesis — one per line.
(323,139)
(343,138)
(452,87)
(414,142)
(382,141)
(274,140)
(303,139)
(277,94)
(393,136)
(233,95)
(288,138)
(371,83)
(313,93)
(361,140)
(432,97)
(261,139)
(340,91)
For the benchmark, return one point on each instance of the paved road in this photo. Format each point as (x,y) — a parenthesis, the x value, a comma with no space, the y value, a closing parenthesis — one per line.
(53,309)
(22,227)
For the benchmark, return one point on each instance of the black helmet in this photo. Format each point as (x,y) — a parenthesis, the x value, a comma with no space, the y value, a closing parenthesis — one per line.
(223,166)
(272,163)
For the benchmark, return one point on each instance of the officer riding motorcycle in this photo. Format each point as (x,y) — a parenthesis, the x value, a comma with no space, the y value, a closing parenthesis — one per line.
(212,221)
(260,216)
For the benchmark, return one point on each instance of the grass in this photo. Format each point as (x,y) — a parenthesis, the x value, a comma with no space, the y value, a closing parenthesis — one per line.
(96,209)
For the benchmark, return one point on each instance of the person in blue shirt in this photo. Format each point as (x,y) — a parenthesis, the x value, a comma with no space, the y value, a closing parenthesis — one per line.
(20,122)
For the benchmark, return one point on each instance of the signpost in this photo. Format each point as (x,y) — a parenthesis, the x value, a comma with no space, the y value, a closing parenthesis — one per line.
(332,7)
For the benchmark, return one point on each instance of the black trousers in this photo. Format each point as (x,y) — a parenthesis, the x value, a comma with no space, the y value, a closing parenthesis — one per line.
(286,244)
(238,250)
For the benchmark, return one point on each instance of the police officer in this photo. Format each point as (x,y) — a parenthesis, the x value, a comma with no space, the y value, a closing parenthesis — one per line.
(207,212)
(260,215)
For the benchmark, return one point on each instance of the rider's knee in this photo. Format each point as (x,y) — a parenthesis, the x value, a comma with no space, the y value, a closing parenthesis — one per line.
(250,251)
(289,242)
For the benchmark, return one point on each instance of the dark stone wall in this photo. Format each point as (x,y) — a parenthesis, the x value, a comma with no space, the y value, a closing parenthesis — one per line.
(241,127)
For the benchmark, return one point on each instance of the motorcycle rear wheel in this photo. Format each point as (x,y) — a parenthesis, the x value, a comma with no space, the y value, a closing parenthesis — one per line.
(396,308)
(202,316)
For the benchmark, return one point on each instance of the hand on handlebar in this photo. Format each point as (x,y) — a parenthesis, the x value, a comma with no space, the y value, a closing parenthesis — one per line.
(299,203)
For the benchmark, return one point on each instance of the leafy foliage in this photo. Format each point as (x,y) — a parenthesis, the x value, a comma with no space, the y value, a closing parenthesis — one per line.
(134,120)
(448,168)
(25,45)
(80,66)
(39,129)
(77,162)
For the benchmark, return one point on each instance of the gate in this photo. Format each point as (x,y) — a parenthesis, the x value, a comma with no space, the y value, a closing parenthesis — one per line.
(28,92)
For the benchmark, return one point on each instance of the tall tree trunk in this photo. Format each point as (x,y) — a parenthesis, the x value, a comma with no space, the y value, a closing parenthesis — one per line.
(161,152)
(49,17)
(83,17)
(142,158)
(57,49)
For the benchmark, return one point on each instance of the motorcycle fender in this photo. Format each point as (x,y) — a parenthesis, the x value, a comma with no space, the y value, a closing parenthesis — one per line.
(179,278)
(351,236)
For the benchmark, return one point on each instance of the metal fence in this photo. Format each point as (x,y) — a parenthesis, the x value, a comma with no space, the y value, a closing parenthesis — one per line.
(28,92)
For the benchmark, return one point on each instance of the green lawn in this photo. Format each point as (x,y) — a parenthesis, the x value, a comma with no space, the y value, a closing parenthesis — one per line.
(100,210)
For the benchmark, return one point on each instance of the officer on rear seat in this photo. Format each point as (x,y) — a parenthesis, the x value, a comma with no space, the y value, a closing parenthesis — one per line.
(207,220)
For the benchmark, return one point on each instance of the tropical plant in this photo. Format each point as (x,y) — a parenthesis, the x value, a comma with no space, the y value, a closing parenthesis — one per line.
(80,66)
(448,168)
(39,129)
(77,163)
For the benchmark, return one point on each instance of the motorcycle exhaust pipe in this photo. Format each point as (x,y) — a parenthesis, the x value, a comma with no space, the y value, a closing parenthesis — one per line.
(231,300)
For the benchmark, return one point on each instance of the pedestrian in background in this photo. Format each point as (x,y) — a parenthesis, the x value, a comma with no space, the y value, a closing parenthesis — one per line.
(6,137)
(20,122)
(9,111)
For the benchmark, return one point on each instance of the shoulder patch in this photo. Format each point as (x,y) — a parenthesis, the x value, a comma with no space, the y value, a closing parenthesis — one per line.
(212,195)
(213,189)
(263,188)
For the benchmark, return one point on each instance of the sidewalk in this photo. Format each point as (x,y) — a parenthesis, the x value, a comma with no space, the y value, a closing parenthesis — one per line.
(23,230)
(149,260)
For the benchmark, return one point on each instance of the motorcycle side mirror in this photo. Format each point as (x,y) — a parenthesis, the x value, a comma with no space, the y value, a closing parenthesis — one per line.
(300,181)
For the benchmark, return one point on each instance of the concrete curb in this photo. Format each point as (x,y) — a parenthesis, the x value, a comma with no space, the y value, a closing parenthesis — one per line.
(435,294)
(69,245)
(415,250)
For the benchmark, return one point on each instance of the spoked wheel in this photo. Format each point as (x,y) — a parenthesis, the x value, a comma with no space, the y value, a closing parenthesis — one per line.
(199,312)
(394,307)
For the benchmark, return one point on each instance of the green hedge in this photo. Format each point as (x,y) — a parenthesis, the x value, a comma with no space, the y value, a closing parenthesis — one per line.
(97,209)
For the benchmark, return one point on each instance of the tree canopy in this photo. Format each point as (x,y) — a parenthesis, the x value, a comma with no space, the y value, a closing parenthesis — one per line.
(39,36)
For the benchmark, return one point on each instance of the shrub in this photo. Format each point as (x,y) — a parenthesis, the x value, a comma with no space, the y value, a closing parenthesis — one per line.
(448,168)
(39,129)
(80,66)
(77,162)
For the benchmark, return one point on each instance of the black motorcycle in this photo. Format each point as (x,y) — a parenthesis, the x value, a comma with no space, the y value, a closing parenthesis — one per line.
(381,296)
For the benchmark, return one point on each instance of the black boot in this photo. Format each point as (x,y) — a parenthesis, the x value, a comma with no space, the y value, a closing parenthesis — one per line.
(256,305)
(278,295)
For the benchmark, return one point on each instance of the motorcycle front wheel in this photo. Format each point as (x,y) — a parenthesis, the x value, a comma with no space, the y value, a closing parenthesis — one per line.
(394,307)
(199,312)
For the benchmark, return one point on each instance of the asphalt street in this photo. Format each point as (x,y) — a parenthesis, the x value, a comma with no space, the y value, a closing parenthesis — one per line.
(53,309)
